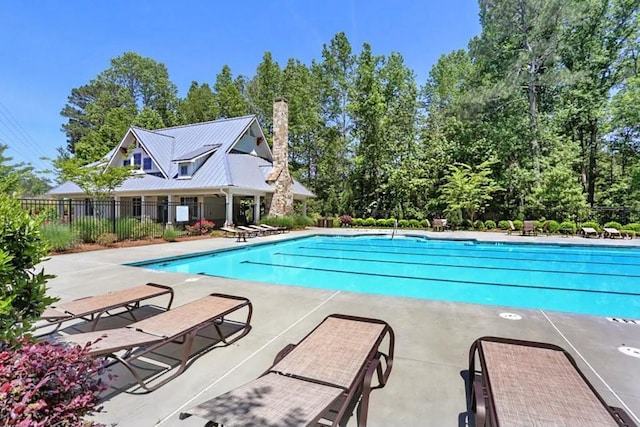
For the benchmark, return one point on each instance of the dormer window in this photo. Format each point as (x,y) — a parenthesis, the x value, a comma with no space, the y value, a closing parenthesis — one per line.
(137,159)
(127,162)
(184,170)
(146,163)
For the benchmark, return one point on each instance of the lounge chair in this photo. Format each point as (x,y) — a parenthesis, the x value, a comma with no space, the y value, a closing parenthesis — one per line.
(270,227)
(92,308)
(265,229)
(181,324)
(528,383)
(251,231)
(439,224)
(511,228)
(529,227)
(321,378)
(589,232)
(240,235)
(611,233)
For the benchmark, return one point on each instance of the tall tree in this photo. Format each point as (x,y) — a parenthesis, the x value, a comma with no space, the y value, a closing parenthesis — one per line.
(263,89)
(229,101)
(199,105)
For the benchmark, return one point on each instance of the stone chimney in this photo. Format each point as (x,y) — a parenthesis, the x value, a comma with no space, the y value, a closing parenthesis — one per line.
(282,200)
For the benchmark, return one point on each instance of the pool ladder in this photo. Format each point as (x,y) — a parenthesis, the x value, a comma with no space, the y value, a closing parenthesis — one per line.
(395,228)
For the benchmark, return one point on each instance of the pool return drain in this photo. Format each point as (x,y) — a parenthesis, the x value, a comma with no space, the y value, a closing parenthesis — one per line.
(630,351)
(625,321)
(510,316)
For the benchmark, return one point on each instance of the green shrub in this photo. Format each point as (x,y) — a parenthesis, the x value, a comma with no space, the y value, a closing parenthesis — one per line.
(89,227)
(592,224)
(466,224)
(147,228)
(613,224)
(22,287)
(357,222)
(414,223)
(49,214)
(403,223)
(551,226)
(127,229)
(479,225)
(59,237)
(454,217)
(279,221)
(539,224)
(517,224)
(425,223)
(302,221)
(503,225)
(170,235)
(391,222)
(381,222)
(629,231)
(490,224)
(369,222)
(635,226)
(106,239)
(569,225)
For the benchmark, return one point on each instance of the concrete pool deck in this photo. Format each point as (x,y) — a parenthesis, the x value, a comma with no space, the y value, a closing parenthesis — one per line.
(426,386)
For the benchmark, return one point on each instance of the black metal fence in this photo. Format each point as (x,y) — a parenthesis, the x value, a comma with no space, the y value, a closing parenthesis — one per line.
(131,219)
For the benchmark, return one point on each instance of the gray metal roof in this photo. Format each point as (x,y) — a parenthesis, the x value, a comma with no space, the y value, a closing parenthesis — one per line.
(221,170)
(206,149)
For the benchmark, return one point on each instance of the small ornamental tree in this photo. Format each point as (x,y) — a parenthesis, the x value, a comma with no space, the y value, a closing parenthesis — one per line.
(22,287)
(44,384)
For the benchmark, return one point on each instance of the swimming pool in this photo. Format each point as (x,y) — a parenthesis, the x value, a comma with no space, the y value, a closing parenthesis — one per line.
(579,279)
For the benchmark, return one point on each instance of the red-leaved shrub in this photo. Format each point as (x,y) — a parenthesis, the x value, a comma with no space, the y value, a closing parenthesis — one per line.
(201,227)
(44,384)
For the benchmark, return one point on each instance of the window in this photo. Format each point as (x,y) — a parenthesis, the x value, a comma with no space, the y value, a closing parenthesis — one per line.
(136,207)
(127,162)
(146,163)
(184,170)
(137,159)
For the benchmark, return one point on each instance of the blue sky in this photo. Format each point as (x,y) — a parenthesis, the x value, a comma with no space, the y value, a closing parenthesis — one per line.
(50,47)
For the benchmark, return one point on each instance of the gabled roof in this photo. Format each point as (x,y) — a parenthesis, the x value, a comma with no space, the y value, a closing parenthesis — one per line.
(222,169)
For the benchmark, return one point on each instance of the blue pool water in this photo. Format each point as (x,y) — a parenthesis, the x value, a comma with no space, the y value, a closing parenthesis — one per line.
(579,279)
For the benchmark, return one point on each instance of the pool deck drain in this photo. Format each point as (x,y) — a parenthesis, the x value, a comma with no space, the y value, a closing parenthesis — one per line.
(432,338)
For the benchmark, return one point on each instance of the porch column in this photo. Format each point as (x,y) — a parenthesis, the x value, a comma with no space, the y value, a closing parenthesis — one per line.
(143,206)
(304,207)
(116,200)
(170,210)
(256,209)
(229,215)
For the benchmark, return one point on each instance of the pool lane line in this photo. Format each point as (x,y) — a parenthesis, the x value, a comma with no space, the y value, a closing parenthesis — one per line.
(467,256)
(456,266)
(448,248)
(246,359)
(626,408)
(428,279)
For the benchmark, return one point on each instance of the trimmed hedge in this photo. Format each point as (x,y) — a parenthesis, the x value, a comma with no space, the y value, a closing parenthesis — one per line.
(489,224)
(592,224)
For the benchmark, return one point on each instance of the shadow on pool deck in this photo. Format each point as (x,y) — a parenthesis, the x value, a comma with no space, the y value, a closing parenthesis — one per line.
(427,385)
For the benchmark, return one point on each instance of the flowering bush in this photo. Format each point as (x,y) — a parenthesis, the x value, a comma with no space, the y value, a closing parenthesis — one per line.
(44,384)
(345,220)
(201,227)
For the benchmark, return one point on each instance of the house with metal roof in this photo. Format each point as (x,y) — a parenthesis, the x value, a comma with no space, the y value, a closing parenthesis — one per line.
(216,170)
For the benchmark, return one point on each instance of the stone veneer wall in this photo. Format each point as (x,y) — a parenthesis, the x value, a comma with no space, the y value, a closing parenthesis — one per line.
(282,200)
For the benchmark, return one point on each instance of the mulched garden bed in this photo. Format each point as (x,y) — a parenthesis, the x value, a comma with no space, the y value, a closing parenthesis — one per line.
(86,247)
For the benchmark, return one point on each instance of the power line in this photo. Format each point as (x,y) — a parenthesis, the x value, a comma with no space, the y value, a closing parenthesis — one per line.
(21,134)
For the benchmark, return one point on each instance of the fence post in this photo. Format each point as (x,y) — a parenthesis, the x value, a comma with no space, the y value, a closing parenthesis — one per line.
(70,212)
(113,216)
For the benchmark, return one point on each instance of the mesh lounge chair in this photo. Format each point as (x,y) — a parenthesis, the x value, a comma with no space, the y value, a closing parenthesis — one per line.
(252,230)
(529,227)
(320,378)
(270,227)
(439,224)
(181,325)
(611,233)
(589,232)
(92,308)
(264,229)
(524,383)
(240,235)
